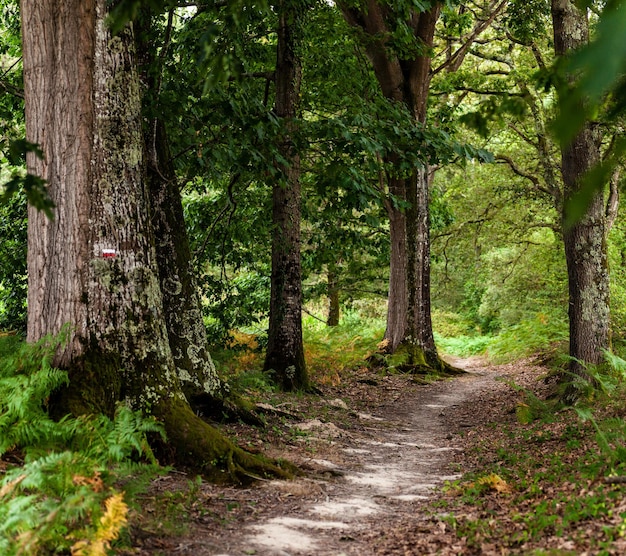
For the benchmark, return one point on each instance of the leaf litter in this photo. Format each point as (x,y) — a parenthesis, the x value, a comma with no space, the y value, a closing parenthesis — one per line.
(385,460)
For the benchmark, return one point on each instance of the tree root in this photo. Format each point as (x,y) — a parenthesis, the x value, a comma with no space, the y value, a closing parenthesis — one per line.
(413,360)
(194,444)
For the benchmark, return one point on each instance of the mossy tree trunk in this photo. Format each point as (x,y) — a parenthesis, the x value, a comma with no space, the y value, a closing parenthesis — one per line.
(419,338)
(585,240)
(409,325)
(94,266)
(183,316)
(285,349)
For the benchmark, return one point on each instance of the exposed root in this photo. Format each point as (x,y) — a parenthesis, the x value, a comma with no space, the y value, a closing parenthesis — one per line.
(194,444)
(413,360)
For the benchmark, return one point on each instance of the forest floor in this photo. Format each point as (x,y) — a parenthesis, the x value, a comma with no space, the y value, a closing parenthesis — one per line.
(382,458)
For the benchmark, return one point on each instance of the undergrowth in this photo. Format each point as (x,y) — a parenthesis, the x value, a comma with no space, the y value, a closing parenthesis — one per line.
(70,482)
(329,351)
(554,481)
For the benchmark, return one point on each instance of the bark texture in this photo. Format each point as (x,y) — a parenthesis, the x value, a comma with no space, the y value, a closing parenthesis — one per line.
(585,241)
(83,107)
(407,81)
(183,316)
(333,295)
(398,297)
(285,349)
(419,337)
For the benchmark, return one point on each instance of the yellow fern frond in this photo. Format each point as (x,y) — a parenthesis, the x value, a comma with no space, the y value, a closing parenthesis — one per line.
(114,518)
(495,482)
(108,529)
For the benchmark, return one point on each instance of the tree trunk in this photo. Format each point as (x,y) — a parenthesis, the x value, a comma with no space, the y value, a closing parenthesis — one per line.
(333,295)
(409,325)
(285,350)
(397,303)
(419,337)
(585,243)
(181,303)
(94,266)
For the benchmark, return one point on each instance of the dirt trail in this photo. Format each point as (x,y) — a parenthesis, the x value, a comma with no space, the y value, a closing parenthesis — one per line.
(385,470)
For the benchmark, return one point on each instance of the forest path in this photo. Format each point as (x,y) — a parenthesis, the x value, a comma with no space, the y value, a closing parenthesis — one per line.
(375,448)
(386,471)
(392,468)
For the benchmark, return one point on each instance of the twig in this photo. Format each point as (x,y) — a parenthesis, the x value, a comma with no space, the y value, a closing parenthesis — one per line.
(312,315)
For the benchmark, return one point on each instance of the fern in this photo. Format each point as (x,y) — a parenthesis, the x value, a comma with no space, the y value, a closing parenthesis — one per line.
(65,497)
(26,382)
(530,407)
(107,530)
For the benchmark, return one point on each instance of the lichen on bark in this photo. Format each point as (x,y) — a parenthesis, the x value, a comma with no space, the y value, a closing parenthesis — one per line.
(119,348)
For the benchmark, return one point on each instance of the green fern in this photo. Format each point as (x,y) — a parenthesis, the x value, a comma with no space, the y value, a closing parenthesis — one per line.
(73,467)
(26,382)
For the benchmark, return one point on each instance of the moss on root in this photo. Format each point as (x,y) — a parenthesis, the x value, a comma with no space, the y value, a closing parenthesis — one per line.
(193,443)
(409,358)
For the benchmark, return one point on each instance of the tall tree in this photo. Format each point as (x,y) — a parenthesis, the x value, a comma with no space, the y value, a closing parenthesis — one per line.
(403,72)
(285,350)
(183,317)
(585,239)
(94,265)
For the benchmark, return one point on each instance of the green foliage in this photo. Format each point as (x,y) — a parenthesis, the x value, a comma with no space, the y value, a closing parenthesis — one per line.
(332,350)
(66,495)
(240,302)
(594,180)
(463,346)
(591,87)
(528,337)
(599,68)
(493,109)
(617,267)
(528,20)
(595,381)
(530,407)
(13,280)
(33,186)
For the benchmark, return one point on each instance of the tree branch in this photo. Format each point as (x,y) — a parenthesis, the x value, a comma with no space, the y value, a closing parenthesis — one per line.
(11,89)
(456,59)
(526,175)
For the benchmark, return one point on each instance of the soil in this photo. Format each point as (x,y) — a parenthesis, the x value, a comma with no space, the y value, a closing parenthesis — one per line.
(375,449)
